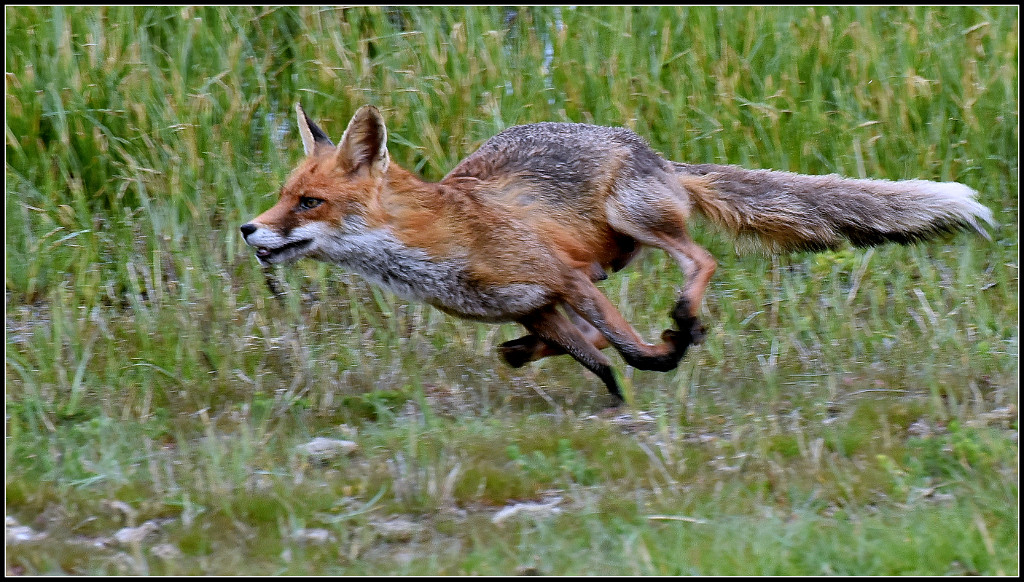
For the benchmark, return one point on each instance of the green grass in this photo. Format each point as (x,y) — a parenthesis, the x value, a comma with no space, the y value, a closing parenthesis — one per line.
(851,412)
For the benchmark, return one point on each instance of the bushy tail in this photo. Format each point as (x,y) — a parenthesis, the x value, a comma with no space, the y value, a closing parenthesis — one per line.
(783,211)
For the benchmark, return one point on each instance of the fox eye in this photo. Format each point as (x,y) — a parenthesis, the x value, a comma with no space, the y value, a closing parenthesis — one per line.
(308,202)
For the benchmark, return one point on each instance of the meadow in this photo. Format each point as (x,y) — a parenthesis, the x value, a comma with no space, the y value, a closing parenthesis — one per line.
(173,408)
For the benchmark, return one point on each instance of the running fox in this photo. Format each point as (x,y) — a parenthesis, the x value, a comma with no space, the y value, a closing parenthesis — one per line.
(527,223)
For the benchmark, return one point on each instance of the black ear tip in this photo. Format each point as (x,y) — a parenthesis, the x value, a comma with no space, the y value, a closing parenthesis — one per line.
(302,112)
(369,111)
(318,135)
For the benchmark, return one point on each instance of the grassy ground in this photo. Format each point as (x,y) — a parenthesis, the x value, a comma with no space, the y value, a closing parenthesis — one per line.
(852,412)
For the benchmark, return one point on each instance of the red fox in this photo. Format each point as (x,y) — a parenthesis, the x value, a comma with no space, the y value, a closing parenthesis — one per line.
(521,229)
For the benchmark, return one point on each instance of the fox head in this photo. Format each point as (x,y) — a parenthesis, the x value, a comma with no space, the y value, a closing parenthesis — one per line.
(324,203)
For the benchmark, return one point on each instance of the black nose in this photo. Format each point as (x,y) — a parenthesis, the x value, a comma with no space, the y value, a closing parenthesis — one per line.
(248,229)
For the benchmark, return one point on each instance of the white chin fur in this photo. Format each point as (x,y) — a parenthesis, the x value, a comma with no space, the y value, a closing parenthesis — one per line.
(272,248)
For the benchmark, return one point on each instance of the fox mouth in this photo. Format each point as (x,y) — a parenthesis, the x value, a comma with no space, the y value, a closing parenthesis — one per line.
(282,253)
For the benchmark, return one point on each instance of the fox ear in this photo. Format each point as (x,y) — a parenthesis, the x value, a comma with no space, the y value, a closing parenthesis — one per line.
(312,136)
(365,142)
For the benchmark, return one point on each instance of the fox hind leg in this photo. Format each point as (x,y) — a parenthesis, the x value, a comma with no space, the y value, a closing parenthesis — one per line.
(698,265)
(656,216)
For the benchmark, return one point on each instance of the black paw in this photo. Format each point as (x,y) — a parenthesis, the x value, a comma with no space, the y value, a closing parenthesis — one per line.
(680,341)
(518,352)
(697,332)
(687,323)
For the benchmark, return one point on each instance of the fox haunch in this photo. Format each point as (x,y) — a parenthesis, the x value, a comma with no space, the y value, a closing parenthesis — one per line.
(521,229)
